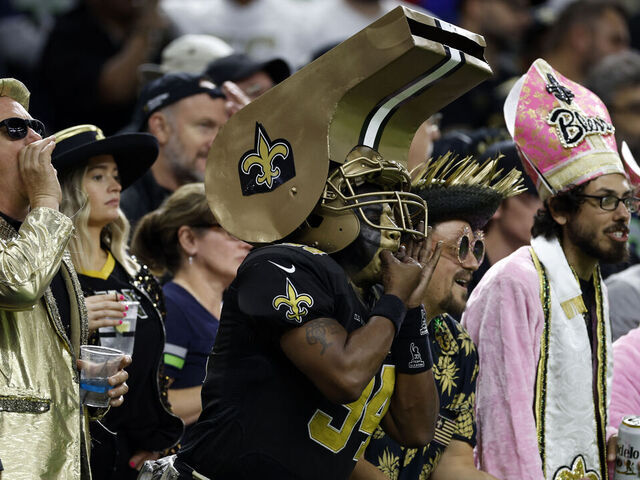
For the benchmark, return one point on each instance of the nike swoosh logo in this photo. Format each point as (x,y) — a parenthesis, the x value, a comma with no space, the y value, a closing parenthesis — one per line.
(291,269)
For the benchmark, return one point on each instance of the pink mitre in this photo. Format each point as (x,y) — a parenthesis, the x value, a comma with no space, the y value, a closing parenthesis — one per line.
(563,132)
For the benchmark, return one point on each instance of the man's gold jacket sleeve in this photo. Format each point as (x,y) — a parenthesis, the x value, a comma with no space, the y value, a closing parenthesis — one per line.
(29,260)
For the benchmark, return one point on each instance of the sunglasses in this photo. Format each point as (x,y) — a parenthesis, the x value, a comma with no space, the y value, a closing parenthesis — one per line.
(468,242)
(18,128)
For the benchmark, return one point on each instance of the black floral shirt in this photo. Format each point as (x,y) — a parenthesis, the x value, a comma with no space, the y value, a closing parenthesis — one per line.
(455,370)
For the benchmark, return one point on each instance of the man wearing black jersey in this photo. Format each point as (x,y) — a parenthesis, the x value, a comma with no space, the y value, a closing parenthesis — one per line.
(310,356)
(301,373)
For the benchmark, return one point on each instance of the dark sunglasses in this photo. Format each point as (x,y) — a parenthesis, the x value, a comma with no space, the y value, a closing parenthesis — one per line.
(18,128)
(468,242)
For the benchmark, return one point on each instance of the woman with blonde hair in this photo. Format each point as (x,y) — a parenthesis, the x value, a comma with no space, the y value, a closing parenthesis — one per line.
(183,239)
(93,171)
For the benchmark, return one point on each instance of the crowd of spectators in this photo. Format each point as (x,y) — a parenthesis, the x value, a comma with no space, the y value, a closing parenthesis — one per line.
(161,78)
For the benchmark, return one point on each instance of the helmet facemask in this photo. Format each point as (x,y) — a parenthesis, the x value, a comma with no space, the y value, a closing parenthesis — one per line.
(335,222)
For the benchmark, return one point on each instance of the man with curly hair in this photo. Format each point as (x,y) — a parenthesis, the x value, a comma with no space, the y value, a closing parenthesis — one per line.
(460,204)
(540,316)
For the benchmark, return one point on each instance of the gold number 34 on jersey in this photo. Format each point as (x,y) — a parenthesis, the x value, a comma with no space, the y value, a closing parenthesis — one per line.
(368,410)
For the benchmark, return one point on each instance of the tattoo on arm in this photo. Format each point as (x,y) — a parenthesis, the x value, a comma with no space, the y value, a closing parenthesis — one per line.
(317,330)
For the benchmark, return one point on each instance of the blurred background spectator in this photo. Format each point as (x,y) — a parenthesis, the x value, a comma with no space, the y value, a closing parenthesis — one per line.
(117,37)
(330,22)
(264,29)
(184,112)
(252,76)
(189,53)
(26,23)
(624,301)
(88,69)
(421,148)
(584,33)
(510,227)
(182,238)
(616,80)
(503,24)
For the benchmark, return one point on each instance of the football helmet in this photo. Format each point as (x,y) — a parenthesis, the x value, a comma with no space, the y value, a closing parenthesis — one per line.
(335,222)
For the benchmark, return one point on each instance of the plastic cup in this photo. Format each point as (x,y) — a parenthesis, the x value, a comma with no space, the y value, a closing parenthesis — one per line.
(123,336)
(98,364)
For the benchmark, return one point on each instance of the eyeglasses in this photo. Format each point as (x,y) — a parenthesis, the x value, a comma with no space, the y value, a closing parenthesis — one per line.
(18,128)
(467,242)
(610,202)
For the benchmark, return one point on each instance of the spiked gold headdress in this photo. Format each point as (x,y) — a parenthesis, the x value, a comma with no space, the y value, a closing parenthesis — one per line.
(464,188)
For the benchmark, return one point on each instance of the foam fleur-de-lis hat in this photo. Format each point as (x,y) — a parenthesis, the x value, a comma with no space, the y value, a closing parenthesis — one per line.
(268,165)
(563,132)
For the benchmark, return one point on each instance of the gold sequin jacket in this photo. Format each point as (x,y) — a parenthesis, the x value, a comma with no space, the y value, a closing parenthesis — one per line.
(42,423)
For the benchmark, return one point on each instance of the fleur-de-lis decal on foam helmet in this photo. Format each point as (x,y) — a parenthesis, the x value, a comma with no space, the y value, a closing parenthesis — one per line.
(263,157)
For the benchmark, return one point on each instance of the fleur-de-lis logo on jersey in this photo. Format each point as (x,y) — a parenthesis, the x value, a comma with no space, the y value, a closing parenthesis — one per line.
(294,302)
(258,166)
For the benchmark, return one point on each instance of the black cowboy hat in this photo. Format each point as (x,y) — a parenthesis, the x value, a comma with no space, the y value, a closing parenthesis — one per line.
(134,153)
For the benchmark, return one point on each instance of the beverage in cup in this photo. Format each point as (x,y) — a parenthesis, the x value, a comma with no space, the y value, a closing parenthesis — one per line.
(98,363)
(123,336)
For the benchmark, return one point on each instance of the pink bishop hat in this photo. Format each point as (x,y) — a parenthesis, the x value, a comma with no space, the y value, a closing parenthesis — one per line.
(563,132)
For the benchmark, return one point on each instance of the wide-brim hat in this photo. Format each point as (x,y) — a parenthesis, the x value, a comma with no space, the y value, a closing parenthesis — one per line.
(465,189)
(134,153)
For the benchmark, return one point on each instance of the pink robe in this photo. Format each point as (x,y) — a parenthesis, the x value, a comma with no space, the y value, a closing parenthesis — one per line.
(625,391)
(505,319)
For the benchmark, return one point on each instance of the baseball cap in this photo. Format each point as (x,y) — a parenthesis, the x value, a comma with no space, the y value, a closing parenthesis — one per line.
(239,66)
(189,53)
(169,89)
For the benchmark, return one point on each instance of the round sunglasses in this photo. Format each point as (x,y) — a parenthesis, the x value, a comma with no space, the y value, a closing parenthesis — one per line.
(468,242)
(18,128)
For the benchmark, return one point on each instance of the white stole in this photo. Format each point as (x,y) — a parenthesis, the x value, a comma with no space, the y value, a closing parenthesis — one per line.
(566,417)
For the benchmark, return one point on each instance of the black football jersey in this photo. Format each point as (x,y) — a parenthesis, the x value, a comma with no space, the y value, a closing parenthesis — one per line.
(262,417)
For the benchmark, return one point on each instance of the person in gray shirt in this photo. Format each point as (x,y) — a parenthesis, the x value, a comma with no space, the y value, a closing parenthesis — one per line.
(624,301)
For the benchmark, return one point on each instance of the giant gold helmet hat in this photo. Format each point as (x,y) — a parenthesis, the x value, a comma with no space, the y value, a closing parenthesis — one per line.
(562,130)
(268,176)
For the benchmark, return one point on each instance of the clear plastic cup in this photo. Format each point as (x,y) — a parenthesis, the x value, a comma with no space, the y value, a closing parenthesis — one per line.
(98,363)
(122,337)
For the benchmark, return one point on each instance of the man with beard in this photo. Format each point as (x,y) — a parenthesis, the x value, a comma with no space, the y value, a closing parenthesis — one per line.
(540,316)
(184,112)
(460,204)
